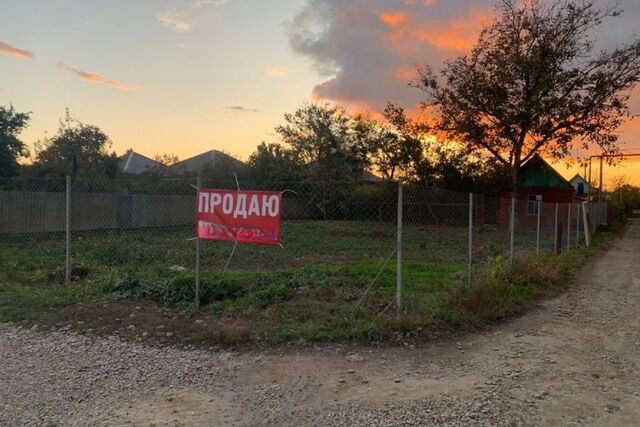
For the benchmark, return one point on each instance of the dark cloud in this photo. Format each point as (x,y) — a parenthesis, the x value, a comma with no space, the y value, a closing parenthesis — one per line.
(235,110)
(365,51)
(241,109)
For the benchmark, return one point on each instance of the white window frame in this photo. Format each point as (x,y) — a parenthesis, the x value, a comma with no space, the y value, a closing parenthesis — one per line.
(533,202)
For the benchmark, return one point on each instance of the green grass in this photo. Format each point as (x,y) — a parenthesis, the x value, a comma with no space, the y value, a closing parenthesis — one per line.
(36,303)
(319,287)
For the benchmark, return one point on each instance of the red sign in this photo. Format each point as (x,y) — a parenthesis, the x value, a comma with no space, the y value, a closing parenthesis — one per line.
(242,216)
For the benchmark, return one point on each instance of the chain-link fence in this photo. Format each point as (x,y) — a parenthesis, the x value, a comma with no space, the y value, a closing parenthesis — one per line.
(383,234)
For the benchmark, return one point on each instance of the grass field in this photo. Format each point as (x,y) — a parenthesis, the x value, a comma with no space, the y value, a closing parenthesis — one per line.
(318,286)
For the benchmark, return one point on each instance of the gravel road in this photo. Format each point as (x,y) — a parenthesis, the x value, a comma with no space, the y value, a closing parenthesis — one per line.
(572,361)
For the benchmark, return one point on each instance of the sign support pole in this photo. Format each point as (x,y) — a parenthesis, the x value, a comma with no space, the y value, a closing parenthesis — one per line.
(197,273)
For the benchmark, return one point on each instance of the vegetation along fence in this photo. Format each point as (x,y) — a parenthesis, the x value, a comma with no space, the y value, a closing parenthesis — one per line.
(383,234)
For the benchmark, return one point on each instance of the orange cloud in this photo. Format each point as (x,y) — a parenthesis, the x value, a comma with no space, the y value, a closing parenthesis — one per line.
(406,74)
(394,19)
(84,75)
(277,71)
(7,49)
(457,34)
(425,2)
(98,78)
(124,86)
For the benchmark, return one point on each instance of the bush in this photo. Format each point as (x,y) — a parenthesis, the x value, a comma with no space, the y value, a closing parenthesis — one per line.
(178,288)
(273,294)
(502,290)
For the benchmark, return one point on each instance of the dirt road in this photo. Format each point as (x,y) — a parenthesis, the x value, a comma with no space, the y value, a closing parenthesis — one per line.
(572,361)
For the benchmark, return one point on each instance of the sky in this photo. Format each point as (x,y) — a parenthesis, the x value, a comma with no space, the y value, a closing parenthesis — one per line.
(186,76)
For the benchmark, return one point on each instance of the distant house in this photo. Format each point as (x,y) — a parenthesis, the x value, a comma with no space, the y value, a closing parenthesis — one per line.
(368,176)
(195,163)
(581,186)
(135,163)
(539,182)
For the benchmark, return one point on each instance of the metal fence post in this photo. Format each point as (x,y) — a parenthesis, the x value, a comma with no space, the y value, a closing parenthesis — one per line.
(556,243)
(538,227)
(399,253)
(512,227)
(470,237)
(197,273)
(569,227)
(578,225)
(67,226)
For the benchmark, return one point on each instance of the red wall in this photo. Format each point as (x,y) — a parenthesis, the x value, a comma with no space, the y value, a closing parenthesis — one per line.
(550,196)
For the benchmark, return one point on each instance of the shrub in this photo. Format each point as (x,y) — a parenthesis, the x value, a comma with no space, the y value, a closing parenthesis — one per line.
(273,294)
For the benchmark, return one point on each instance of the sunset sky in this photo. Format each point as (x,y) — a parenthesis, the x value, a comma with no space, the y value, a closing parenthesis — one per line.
(186,76)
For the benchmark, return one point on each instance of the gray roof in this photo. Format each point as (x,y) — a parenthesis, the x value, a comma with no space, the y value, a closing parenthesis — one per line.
(368,176)
(135,163)
(195,163)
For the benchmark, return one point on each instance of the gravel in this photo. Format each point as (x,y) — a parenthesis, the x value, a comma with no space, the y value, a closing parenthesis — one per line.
(573,361)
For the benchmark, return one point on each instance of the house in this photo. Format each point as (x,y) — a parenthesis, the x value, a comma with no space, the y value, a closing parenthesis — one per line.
(135,163)
(370,177)
(539,182)
(581,185)
(195,163)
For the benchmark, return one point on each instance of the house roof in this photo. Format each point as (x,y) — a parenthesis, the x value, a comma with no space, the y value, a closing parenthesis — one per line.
(195,163)
(579,179)
(536,172)
(136,163)
(368,176)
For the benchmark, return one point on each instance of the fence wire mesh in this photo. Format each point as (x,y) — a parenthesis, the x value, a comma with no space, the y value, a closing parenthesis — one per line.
(331,231)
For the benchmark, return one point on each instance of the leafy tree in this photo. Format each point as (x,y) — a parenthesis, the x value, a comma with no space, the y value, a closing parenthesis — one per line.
(413,154)
(329,146)
(533,83)
(325,140)
(625,198)
(460,168)
(273,163)
(11,148)
(400,153)
(223,170)
(166,159)
(78,150)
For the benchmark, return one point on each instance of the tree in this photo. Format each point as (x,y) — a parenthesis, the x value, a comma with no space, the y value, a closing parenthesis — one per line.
(325,140)
(329,147)
(166,159)
(223,169)
(78,150)
(400,152)
(273,163)
(532,83)
(415,155)
(625,196)
(11,148)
